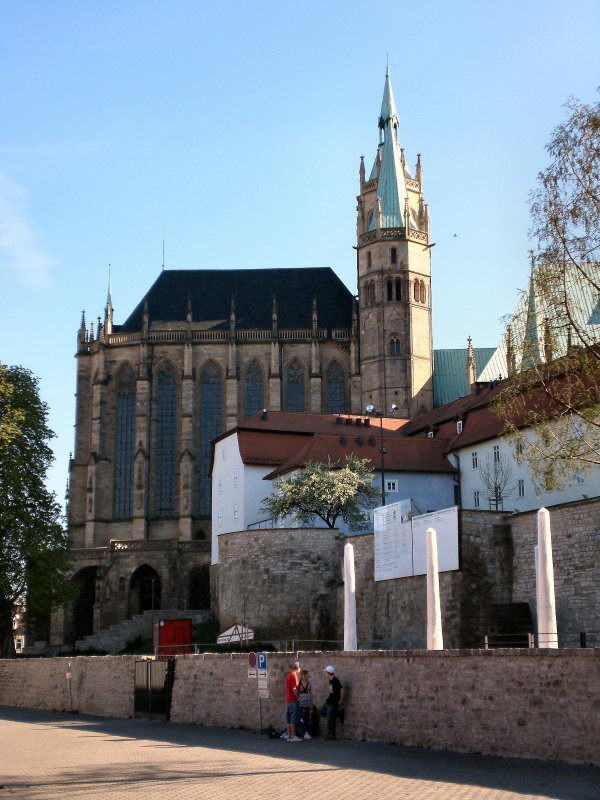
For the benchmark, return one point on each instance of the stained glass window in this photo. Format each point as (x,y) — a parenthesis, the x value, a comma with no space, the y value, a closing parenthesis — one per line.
(254,394)
(211,425)
(125,443)
(335,389)
(166,440)
(295,387)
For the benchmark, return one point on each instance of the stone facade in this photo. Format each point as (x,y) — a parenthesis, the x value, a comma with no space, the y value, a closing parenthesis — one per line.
(515,703)
(282,582)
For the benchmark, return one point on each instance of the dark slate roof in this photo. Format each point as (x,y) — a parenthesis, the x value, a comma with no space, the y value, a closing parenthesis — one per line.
(210,292)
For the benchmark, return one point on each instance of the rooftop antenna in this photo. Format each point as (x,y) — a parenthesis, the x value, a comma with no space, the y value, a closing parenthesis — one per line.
(163,264)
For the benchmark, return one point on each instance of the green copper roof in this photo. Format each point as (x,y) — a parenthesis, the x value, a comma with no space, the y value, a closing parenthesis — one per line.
(450,371)
(391,187)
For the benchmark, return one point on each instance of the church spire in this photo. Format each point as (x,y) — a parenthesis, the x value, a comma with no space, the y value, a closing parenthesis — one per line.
(471,365)
(391,184)
(108,310)
(531,356)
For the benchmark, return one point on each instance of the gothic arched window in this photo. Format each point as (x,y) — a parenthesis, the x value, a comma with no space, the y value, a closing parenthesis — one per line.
(422,293)
(416,293)
(211,425)
(394,346)
(124,442)
(398,289)
(389,289)
(369,259)
(372,293)
(295,387)
(335,384)
(254,392)
(393,256)
(166,440)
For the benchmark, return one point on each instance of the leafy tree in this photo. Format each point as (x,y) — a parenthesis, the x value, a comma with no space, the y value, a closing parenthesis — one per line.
(555,390)
(33,541)
(327,491)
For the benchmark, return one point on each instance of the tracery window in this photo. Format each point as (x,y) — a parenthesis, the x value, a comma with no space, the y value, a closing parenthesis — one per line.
(295,387)
(211,425)
(394,346)
(335,389)
(166,440)
(254,393)
(124,442)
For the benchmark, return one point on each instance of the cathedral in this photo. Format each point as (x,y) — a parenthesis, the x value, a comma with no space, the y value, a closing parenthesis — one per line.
(206,349)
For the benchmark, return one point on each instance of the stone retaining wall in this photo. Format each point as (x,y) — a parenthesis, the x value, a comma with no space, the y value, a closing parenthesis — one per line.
(521,703)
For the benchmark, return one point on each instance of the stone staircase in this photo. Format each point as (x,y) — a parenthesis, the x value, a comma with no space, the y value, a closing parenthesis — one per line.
(116,638)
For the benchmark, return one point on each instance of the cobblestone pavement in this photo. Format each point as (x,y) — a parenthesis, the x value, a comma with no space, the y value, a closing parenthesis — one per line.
(51,756)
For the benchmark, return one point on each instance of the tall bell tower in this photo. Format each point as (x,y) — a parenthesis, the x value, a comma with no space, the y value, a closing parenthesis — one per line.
(394,277)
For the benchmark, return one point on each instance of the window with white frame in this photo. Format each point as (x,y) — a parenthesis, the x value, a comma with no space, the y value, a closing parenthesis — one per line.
(475,459)
(519,448)
(236,511)
(521,487)
(236,478)
(430,434)
(459,426)
(496,454)
(220,519)
(220,484)
(476,499)
(391,486)
(579,478)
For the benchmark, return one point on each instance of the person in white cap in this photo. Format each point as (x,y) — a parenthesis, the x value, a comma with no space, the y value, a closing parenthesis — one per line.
(334,701)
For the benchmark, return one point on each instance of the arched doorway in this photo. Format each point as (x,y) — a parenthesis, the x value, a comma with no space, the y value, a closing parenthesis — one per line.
(145,590)
(82,607)
(199,588)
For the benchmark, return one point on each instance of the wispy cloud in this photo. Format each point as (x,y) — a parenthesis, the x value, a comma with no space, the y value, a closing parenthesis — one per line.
(21,252)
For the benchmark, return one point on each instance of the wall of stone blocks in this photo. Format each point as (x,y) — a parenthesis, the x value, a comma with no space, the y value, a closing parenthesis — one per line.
(289,583)
(283,583)
(98,685)
(542,704)
(576,556)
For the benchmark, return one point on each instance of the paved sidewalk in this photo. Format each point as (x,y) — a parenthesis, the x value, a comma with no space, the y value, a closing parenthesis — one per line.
(52,756)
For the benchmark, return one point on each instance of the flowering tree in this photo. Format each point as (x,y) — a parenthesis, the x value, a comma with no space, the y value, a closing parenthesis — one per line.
(327,491)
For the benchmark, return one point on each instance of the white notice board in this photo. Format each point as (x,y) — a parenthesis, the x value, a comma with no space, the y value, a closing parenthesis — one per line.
(393,541)
(445,524)
(399,545)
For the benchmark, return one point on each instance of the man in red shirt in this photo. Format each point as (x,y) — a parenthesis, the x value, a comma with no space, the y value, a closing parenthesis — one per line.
(292,714)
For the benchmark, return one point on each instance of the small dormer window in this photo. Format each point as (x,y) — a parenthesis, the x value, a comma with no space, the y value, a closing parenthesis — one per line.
(459,426)
(430,434)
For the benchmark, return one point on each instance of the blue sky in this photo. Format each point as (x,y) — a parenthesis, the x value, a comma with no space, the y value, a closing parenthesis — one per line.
(233,132)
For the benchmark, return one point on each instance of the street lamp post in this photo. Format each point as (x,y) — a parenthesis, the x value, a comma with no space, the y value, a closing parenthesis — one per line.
(371,412)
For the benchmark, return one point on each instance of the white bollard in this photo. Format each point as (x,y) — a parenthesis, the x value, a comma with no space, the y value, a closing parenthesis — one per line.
(546,611)
(350,642)
(435,639)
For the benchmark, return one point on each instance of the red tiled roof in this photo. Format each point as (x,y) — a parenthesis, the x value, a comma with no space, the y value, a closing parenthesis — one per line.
(403,454)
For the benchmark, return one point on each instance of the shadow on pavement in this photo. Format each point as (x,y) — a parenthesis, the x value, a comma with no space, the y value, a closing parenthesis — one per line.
(558,781)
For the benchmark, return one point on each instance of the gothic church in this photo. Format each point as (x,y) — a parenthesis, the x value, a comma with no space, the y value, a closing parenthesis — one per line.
(205,349)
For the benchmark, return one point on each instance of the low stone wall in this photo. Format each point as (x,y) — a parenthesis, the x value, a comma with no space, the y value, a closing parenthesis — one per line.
(97,685)
(542,704)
